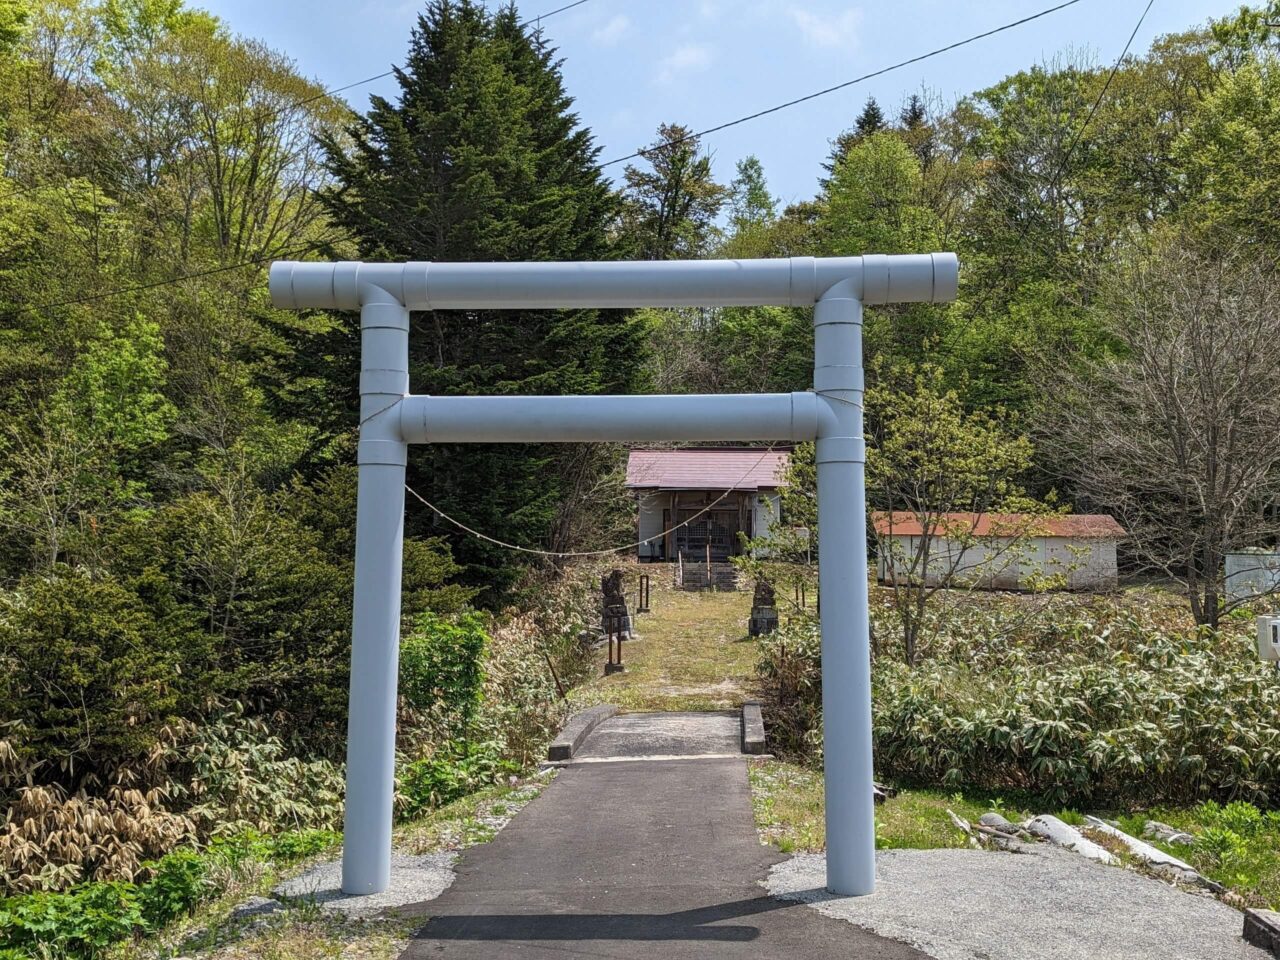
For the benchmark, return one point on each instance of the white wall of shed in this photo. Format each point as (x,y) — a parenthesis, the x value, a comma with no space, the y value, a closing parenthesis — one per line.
(651,504)
(766,510)
(998,564)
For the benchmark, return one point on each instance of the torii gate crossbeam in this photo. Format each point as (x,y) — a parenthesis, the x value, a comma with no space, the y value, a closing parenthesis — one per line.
(391,419)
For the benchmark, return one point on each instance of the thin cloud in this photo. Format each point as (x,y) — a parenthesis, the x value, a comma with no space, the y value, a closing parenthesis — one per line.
(611,32)
(829,30)
(689,58)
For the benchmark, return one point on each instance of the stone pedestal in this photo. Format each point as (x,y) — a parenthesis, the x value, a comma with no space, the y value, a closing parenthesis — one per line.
(763,620)
(764,615)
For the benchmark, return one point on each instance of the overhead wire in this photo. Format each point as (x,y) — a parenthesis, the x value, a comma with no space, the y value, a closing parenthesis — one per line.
(312,98)
(572,554)
(1061,168)
(644,152)
(760,113)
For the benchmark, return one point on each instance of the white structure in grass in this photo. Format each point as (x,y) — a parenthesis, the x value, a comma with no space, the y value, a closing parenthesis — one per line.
(1000,551)
(1252,573)
(390,419)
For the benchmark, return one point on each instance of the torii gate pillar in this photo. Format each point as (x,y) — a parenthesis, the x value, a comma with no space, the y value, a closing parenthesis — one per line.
(391,418)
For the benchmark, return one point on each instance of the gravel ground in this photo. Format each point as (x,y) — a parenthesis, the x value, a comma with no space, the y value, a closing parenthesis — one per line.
(1050,904)
(413,879)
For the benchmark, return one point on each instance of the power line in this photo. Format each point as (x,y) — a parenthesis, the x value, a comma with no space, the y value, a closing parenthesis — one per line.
(731,123)
(841,86)
(1055,180)
(589,553)
(386,73)
(324,93)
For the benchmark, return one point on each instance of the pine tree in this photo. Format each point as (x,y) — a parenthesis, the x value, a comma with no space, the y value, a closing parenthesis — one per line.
(913,121)
(870,120)
(480,158)
(913,114)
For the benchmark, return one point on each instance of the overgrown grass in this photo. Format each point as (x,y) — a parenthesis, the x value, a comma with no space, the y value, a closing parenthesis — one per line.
(789,810)
(691,652)
(1236,844)
(302,932)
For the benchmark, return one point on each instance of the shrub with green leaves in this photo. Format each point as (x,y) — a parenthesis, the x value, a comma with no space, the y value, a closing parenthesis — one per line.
(442,670)
(1130,714)
(242,777)
(457,768)
(84,921)
(790,669)
(1096,705)
(79,923)
(90,673)
(179,881)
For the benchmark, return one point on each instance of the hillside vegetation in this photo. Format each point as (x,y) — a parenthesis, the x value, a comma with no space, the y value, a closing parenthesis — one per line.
(177,478)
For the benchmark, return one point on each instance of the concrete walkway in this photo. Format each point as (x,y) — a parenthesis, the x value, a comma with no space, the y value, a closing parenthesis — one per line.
(624,855)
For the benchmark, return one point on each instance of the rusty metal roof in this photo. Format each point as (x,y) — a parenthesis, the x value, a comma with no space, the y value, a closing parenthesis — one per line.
(707,468)
(1078,526)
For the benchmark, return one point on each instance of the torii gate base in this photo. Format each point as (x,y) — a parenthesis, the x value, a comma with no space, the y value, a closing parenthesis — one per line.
(832,415)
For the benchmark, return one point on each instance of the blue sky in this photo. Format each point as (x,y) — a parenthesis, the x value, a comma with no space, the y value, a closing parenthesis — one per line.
(632,65)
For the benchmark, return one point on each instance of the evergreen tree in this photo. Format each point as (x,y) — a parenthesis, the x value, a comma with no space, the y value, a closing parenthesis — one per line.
(913,114)
(480,158)
(870,120)
(913,120)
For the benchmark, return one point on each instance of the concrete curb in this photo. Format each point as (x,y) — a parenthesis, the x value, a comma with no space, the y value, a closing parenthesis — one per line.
(577,729)
(752,728)
(1262,929)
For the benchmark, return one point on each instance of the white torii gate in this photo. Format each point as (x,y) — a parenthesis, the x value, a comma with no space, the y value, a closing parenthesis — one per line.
(391,418)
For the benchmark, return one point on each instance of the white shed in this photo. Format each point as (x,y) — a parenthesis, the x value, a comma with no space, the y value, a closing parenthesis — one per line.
(1004,551)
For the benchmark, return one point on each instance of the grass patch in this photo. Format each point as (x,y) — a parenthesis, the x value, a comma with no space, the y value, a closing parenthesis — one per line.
(470,820)
(788,802)
(303,932)
(1236,844)
(692,652)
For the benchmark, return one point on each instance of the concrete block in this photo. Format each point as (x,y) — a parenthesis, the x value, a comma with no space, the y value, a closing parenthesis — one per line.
(752,728)
(577,729)
(1262,929)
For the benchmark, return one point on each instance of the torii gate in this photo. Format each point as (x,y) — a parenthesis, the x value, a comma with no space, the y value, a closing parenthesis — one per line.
(391,418)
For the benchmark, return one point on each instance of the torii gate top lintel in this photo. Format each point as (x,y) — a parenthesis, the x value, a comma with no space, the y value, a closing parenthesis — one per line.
(793,282)
(391,419)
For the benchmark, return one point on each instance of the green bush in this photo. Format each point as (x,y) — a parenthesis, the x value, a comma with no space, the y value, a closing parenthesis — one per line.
(790,669)
(85,920)
(300,844)
(179,881)
(522,708)
(1126,715)
(244,778)
(1101,707)
(79,923)
(456,769)
(91,673)
(442,670)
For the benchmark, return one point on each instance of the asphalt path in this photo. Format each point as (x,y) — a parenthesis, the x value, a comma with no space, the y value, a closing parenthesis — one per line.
(624,856)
